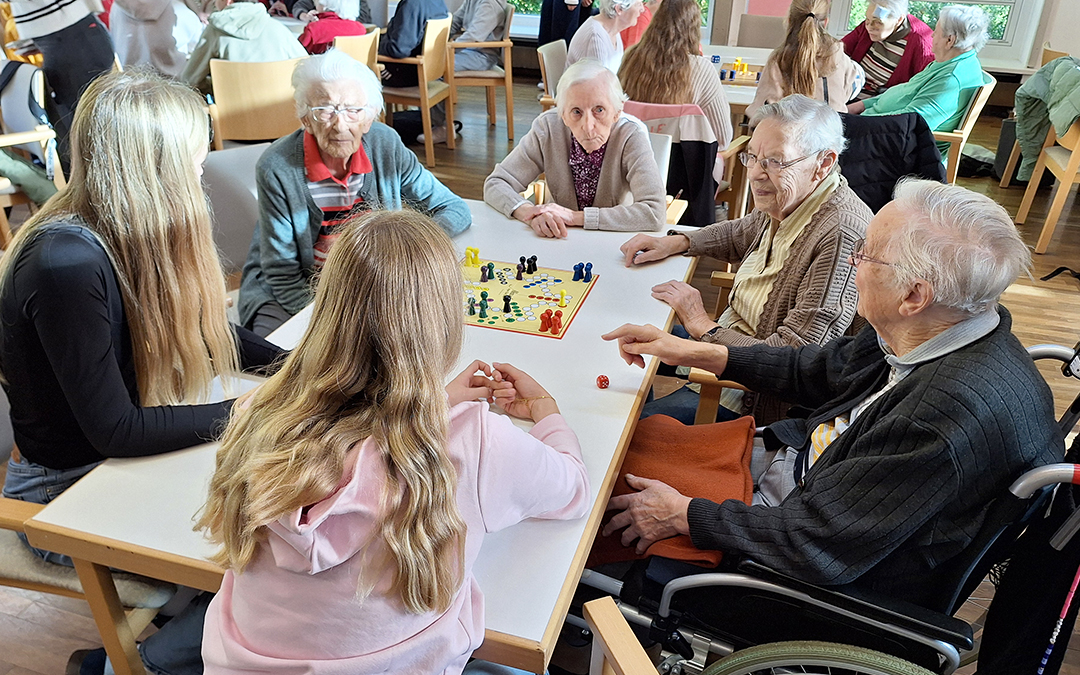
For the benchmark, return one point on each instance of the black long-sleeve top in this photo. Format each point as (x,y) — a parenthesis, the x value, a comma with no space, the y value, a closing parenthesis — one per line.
(404,35)
(907,486)
(66,357)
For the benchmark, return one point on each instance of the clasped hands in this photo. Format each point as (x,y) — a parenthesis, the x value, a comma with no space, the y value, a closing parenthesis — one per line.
(549,220)
(503,385)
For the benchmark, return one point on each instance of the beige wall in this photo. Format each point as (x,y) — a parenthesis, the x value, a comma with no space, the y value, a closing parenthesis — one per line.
(1060,19)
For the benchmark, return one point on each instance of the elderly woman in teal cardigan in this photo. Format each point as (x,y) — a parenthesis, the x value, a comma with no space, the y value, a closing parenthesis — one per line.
(940,93)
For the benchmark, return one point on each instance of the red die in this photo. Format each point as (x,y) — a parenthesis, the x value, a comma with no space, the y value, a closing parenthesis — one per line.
(602,382)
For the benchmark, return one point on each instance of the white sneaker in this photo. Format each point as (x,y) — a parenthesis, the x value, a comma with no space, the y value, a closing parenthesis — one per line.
(540,84)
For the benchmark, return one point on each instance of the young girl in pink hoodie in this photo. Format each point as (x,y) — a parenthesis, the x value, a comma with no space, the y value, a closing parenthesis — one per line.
(352,495)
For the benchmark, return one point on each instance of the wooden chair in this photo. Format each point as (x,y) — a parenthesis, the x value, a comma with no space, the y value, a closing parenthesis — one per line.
(20,568)
(761,31)
(1048,55)
(252,101)
(552,57)
(661,147)
(363,48)
(1060,154)
(23,131)
(615,649)
(489,79)
(711,387)
(734,189)
(956,139)
(430,66)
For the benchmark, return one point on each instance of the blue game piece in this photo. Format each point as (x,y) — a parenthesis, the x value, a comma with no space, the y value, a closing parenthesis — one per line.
(588,273)
(577,272)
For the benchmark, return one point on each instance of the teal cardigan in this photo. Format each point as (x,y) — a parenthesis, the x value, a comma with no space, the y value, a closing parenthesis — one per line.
(281,260)
(940,93)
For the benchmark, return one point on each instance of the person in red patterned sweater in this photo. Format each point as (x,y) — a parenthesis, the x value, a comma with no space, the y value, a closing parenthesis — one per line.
(318,36)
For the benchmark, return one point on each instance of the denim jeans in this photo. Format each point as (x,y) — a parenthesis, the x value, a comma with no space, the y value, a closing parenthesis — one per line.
(176,649)
(680,404)
(39,484)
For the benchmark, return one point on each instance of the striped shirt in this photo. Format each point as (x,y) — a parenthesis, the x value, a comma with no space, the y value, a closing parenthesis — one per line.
(337,198)
(882,59)
(37,18)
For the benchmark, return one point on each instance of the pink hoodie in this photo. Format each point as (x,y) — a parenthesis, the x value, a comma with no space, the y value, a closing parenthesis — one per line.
(295,609)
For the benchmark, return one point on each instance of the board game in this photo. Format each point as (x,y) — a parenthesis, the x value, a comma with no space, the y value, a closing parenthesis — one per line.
(739,72)
(542,290)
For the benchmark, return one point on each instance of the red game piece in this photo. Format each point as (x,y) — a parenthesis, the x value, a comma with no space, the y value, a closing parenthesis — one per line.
(556,323)
(545,321)
(602,382)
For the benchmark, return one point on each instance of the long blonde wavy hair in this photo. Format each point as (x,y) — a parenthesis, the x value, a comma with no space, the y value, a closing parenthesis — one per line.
(134,185)
(657,69)
(385,331)
(808,50)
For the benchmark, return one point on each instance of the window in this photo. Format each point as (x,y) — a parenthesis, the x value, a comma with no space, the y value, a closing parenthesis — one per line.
(1013,24)
(533,7)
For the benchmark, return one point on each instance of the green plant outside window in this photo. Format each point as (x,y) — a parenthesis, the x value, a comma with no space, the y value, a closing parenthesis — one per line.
(928,10)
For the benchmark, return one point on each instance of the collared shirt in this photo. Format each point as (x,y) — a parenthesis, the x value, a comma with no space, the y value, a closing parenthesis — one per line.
(882,59)
(336,198)
(585,167)
(945,342)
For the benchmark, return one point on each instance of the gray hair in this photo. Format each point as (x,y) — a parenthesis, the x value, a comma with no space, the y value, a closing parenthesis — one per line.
(893,7)
(329,67)
(967,23)
(607,7)
(811,125)
(963,243)
(588,70)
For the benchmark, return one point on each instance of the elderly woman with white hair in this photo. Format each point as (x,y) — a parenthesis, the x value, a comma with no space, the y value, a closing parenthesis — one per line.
(309,181)
(940,93)
(597,161)
(598,38)
(795,283)
(891,45)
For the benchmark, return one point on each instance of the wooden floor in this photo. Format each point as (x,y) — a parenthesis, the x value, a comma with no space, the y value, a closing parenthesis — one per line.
(38,632)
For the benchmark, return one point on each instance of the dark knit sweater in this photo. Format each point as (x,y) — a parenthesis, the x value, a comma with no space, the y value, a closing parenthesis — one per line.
(907,486)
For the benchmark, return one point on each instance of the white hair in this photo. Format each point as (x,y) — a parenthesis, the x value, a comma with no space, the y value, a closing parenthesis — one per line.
(811,125)
(963,243)
(607,7)
(346,9)
(332,66)
(967,23)
(893,7)
(588,70)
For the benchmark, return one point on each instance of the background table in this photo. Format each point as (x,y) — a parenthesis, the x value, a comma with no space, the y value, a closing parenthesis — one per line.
(739,96)
(137,514)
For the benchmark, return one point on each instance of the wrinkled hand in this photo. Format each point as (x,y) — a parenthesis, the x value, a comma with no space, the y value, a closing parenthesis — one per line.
(548,225)
(687,303)
(642,248)
(856,108)
(307,17)
(657,511)
(635,342)
(278,9)
(531,401)
(478,382)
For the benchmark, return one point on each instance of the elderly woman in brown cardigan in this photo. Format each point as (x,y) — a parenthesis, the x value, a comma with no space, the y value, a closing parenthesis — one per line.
(795,283)
(598,163)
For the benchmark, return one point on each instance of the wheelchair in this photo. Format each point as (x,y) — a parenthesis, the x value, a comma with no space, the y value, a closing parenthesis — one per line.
(757,620)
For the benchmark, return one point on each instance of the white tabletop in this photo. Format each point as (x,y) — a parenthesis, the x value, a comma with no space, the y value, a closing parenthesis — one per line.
(151,502)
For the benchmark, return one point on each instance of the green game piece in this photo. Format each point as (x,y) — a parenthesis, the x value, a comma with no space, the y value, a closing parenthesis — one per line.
(483,295)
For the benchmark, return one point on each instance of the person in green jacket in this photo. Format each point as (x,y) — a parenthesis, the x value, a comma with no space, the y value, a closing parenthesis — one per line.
(940,93)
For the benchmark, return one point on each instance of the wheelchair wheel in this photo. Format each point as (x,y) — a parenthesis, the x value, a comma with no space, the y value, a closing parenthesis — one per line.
(821,658)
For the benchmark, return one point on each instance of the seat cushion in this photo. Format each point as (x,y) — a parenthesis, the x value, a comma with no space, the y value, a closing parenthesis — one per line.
(495,73)
(435,87)
(17,563)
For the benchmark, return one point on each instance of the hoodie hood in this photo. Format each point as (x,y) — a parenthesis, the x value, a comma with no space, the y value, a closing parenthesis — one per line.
(243,20)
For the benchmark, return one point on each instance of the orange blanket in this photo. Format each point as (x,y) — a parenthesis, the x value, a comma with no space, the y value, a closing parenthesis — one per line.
(705,460)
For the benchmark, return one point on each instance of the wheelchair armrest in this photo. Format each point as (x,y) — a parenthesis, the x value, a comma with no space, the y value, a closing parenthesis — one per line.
(873,606)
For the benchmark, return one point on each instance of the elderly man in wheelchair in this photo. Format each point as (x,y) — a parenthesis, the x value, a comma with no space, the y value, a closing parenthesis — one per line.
(914,432)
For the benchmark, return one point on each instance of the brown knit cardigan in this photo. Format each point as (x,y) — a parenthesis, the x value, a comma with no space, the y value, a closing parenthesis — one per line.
(812,299)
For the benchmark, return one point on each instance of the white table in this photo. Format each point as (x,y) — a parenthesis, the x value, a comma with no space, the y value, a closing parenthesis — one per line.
(137,514)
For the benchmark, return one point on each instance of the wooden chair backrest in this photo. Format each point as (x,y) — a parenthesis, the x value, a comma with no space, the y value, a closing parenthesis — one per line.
(1071,139)
(762,31)
(615,649)
(254,101)
(978,101)
(1049,55)
(552,57)
(363,48)
(436,35)
(509,18)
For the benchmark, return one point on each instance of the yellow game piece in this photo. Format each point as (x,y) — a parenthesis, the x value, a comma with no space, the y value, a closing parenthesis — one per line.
(562,298)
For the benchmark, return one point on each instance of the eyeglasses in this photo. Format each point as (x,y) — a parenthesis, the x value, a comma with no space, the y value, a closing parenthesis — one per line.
(767,164)
(857,256)
(351,114)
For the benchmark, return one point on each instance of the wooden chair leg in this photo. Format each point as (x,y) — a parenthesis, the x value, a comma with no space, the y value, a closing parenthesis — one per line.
(509,95)
(1061,193)
(451,133)
(429,144)
(5,230)
(955,150)
(490,91)
(1032,188)
(1010,166)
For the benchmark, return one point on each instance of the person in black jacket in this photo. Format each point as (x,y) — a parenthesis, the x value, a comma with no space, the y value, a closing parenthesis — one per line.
(916,424)
(112,299)
(404,37)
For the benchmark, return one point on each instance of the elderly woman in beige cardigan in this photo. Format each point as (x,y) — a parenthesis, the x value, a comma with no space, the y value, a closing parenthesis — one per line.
(598,163)
(795,285)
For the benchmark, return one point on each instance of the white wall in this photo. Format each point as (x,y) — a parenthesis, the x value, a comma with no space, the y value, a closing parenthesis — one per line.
(1061,24)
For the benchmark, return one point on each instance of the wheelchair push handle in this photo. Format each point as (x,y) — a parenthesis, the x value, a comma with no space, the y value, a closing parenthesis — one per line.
(1050,474)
